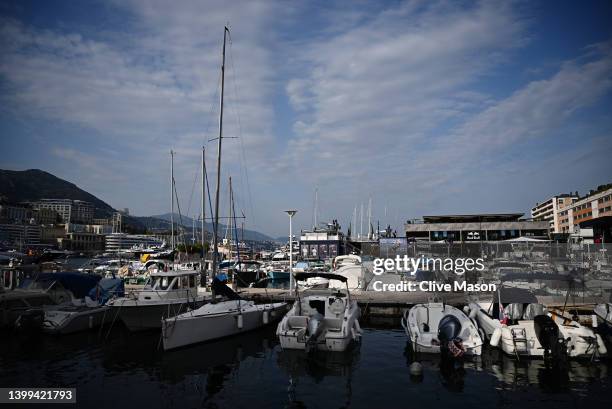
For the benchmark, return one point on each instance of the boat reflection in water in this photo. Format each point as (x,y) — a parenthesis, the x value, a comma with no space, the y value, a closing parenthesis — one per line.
(304,370)
(126,369)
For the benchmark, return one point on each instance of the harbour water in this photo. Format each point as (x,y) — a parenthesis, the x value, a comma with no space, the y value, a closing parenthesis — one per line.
(117,368)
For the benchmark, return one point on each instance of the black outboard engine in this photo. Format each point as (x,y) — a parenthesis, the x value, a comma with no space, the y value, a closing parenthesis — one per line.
(551,340)
(451,345)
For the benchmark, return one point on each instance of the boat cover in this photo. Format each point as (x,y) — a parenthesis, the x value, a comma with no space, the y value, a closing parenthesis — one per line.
(329,276)
(78,283)
(106,288)
(221,289)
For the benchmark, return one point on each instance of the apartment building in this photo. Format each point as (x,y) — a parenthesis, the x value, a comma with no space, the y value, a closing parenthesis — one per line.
(549,210)
(70,211)
(595,205)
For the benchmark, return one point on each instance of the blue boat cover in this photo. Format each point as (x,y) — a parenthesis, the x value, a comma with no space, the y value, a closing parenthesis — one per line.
(78,283)
(107,288)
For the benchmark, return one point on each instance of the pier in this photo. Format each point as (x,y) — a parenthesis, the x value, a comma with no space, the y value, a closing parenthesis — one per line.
(393,304)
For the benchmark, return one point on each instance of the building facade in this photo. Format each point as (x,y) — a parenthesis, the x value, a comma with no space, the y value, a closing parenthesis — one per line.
(122,241)
(549,210)
(70,211)
(595,205)
(477,227)
(20,235)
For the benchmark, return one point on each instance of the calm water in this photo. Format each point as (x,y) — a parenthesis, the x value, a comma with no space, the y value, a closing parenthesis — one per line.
(128,370)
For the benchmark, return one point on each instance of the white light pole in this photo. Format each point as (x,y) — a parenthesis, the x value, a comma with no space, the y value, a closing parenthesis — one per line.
(291,213)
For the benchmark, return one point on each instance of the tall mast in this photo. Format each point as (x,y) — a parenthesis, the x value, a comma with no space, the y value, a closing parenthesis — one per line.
(369,216)
(172,197)
(203,209)
(216,226)
(361,221)
(316,208)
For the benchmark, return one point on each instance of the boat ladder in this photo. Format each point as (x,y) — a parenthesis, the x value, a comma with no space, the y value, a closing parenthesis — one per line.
(519,340)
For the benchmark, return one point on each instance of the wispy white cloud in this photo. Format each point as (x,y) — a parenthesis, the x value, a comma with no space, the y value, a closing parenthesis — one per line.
(407,102)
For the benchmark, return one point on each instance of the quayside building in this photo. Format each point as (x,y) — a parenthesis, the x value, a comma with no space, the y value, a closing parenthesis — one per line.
(475,227)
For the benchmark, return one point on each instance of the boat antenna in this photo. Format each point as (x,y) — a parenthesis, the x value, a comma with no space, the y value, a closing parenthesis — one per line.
(216,225)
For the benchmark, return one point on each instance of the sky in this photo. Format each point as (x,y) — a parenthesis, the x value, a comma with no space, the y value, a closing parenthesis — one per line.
(424,107)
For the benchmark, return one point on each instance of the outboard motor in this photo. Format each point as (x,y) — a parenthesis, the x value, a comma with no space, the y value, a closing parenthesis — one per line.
(315,328)
(451,345)
(549,337)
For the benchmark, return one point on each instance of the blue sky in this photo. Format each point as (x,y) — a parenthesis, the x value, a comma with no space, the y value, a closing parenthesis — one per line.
(427,107)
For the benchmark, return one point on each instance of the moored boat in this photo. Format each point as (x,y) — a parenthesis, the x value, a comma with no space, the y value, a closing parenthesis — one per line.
(166,294)
(321,319)
(436,327)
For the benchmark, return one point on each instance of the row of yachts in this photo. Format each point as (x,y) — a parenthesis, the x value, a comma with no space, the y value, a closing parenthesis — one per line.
(188,308)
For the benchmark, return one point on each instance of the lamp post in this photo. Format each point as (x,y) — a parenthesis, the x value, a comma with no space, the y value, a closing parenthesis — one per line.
(291,213)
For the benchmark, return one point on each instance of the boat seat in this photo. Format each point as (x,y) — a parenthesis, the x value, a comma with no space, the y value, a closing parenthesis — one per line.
(297,322)
(333,324)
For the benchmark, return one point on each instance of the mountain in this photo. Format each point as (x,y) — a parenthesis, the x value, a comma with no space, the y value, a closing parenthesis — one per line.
(36,184)
(188,223)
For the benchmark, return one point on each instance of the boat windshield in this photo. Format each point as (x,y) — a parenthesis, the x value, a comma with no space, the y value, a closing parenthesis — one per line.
(165,283)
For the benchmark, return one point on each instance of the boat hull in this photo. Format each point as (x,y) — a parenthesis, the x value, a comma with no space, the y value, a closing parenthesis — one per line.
(142,316)
(186,330)
(68,322)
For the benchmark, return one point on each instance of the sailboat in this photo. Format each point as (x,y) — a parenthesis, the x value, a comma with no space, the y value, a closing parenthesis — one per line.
(224,318)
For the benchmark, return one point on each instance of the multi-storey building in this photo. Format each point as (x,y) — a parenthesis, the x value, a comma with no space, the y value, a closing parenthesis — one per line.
(595,205)
(15,213)
(70,211)
(20,235)
(475,227)
(549,210)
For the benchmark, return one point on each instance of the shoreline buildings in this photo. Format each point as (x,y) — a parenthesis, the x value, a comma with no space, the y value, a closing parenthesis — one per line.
(475,227)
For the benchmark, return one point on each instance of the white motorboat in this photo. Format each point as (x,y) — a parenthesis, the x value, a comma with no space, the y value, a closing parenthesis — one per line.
(321,319)
(81,315)
(350,266)
(218,319)
(166,294)
(436,327)
(530,330)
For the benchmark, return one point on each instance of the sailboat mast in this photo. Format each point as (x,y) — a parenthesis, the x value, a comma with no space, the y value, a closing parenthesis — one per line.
(203,209)
(172,197)
(216,226)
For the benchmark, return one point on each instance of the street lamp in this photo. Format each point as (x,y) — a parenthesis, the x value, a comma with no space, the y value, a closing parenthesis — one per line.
(291,213)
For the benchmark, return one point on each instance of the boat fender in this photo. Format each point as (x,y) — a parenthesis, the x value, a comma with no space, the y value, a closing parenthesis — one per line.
(495,337)
(90,321)
(240,322)
(594,321)
(357,327)
(601,345)
(473,313)
(266,317)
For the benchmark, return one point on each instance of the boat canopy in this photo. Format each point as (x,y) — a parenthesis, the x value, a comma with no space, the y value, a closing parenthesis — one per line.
(329,276)
(106,288)
(78,283)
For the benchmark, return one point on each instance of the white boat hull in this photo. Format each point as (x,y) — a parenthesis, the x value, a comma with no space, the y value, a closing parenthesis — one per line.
(337,335)
(68,322)
(142,316)
(426,341)
(191,328)
(575,334)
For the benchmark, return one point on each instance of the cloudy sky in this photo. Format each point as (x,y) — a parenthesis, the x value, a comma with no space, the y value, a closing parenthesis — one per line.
(426,107)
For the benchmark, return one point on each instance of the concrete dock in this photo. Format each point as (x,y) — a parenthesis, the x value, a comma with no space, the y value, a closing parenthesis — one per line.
(393,304)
